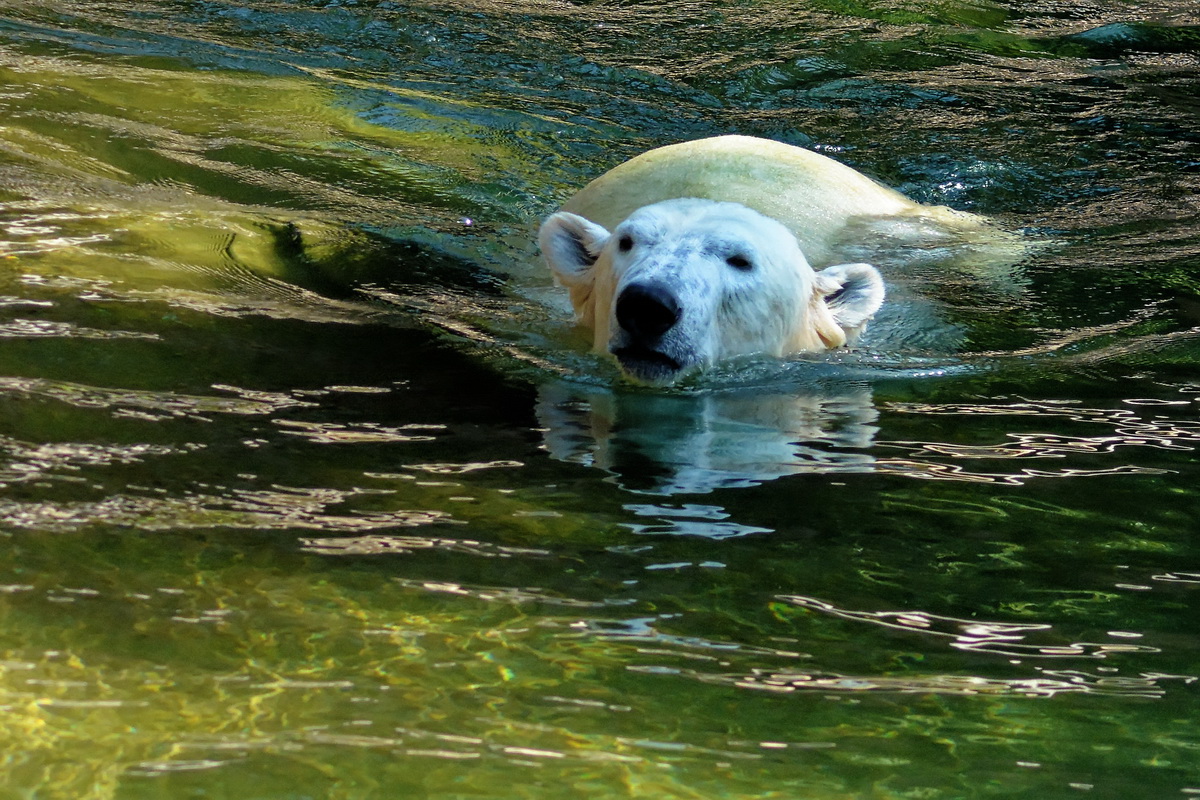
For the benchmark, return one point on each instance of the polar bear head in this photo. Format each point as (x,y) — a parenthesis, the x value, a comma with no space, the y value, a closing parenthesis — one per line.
(681,284)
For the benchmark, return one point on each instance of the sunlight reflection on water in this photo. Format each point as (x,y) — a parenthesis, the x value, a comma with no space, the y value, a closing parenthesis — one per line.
(998,638)
(309,486)
(677,444)
(283,508)
(167,404)
(1050,683)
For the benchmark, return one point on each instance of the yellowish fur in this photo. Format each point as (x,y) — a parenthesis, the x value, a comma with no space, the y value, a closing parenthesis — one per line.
(812,195)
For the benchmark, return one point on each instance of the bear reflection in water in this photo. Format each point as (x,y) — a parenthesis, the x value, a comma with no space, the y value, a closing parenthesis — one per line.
(671,444)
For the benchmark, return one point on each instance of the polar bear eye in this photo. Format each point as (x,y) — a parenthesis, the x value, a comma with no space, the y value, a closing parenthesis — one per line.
(625,243)
(739,262)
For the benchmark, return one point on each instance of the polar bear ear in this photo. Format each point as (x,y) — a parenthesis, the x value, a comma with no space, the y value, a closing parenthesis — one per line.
(571,245)
(852,293)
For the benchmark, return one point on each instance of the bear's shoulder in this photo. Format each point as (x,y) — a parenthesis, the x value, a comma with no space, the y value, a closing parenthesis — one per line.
(813,195)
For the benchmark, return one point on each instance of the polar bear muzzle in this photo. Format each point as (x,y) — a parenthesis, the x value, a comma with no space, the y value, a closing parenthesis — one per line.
(646,311)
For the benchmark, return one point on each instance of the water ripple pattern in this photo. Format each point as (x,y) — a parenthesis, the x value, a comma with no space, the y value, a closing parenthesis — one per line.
(997,638)
(310,486)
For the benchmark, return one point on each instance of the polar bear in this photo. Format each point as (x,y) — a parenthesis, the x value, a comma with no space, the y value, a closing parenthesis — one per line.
(697,252)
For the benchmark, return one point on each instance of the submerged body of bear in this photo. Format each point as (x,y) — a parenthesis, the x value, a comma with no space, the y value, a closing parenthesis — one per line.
(697,252)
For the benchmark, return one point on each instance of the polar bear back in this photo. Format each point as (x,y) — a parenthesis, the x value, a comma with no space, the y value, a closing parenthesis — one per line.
(814,196)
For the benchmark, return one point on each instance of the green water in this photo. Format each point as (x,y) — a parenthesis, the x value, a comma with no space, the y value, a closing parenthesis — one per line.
(308,488)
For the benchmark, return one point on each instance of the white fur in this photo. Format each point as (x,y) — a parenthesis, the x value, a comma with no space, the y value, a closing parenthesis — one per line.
(688,207)
(775,304)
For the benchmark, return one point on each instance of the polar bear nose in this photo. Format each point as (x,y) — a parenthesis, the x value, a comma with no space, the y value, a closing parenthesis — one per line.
(647,310)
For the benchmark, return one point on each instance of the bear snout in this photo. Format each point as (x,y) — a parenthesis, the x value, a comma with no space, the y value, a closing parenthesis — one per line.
(647,311)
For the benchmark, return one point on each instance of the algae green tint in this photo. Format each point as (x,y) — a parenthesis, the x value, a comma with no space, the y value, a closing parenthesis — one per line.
(309,488)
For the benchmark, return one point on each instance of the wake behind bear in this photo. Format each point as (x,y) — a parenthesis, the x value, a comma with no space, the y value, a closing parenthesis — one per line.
(698,252)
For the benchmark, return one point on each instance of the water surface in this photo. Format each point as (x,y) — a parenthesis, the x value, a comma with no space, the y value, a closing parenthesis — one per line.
(310,489)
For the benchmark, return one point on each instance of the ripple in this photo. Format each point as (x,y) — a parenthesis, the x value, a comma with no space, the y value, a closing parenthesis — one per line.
(360,433)
(643,633)
(1050,683)
(997,638)
(375,544)
(154,768)
(521,742)
(1178,577)
(48,329)
(7,301)
(506,594)
(462,469)
(690,519)
(32,462)
(163,404)
(1125,428)
(280,509)
(953,472)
